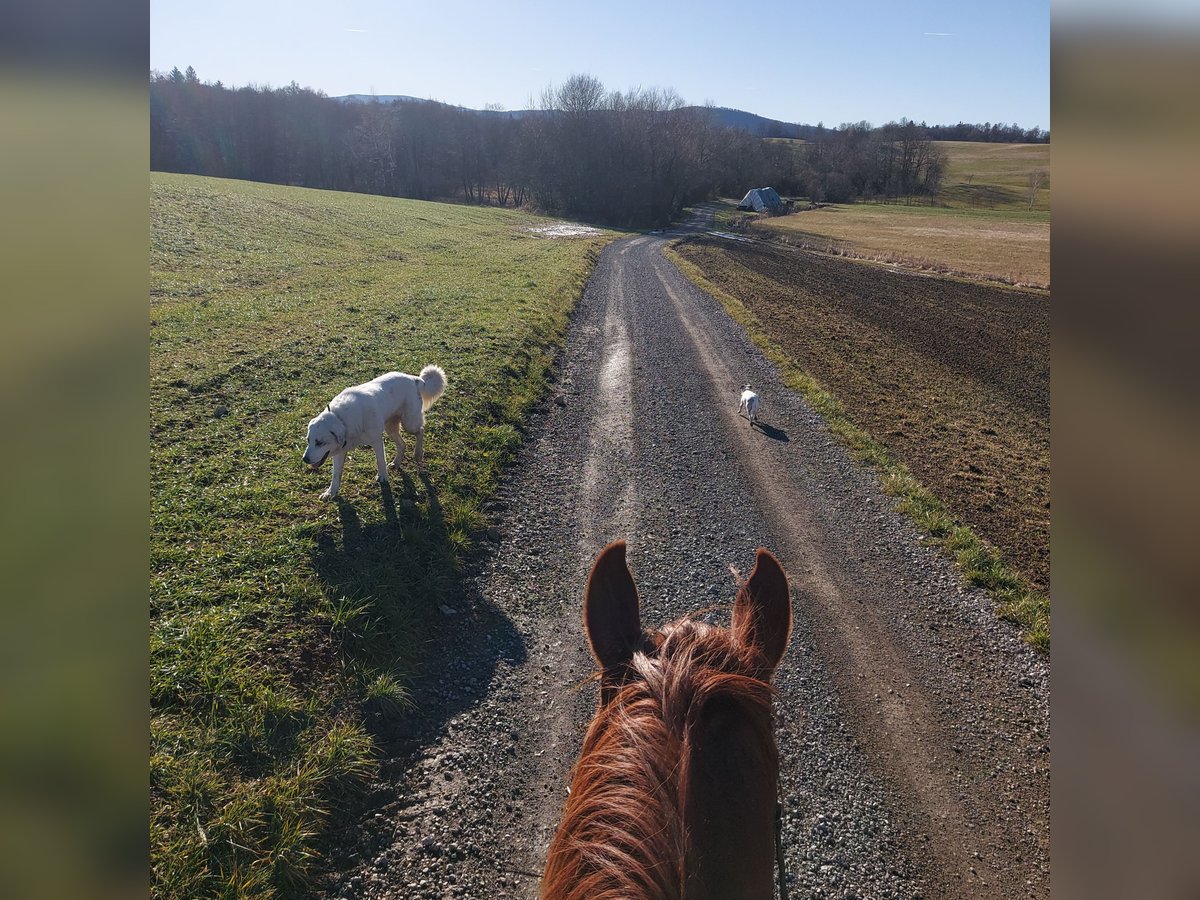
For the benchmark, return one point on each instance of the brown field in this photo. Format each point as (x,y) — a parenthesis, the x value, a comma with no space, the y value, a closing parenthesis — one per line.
(1011,247)
(953,378)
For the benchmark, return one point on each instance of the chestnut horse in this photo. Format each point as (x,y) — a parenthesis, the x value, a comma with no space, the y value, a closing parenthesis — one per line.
(674,792)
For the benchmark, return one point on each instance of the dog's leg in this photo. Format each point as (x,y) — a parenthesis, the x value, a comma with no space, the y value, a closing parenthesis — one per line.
(393,430)
(380,460)
(419,449)
(339,460)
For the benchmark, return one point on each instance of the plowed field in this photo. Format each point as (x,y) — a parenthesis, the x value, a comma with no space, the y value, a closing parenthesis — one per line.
(954,378)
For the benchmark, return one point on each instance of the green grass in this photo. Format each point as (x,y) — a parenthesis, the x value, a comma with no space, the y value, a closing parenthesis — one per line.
(286,631)
(980,563)
(998,175)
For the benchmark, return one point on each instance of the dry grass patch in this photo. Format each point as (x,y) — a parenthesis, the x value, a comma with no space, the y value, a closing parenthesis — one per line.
(1009,247)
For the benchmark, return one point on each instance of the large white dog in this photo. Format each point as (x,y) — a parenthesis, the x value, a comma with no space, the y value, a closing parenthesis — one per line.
(358,417)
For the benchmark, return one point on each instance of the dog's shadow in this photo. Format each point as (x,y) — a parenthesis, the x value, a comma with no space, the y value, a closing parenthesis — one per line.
(398,568)
(775,434)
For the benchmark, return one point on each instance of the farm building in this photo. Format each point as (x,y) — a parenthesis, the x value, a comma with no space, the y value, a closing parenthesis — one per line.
(759,199)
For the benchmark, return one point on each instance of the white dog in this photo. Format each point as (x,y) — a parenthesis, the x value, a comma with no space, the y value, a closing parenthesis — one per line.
(358,417)
(748,406)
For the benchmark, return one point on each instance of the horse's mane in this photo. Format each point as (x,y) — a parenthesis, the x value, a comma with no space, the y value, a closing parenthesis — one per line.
(623,833)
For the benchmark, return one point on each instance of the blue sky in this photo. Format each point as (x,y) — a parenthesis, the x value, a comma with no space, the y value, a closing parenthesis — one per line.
(797,61)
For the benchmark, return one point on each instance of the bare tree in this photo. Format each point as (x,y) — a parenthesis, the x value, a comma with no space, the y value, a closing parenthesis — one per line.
(1038,179)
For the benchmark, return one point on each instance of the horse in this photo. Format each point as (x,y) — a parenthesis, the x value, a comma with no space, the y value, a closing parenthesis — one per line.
(674,792)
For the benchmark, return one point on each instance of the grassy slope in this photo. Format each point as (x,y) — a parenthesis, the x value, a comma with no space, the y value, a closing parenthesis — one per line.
(282,627)
(999,175)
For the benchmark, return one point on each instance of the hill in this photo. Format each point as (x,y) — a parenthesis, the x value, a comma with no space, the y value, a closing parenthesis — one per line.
(994,176)
(380,98)
(757,125)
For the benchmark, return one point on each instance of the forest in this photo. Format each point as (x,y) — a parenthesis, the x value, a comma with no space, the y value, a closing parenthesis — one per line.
(631,158)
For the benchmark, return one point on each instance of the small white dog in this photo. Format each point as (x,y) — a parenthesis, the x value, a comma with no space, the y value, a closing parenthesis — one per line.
(358,417)
(748,405)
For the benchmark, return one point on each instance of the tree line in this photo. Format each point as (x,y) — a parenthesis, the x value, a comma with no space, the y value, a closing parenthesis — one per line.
(632,158)
(896,161)
(979,132)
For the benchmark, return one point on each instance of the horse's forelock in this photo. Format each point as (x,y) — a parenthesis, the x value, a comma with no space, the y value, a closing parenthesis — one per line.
(622,833)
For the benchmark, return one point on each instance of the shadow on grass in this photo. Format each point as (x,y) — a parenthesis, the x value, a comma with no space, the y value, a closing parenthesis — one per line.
(403,615)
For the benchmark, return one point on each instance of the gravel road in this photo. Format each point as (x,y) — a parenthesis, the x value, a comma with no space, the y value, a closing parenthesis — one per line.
(912,723)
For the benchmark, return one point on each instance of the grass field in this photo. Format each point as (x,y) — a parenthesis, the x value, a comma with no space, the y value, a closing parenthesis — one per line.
(994,176)
(285,631)
(981,229)
(985,176)
(1007,246)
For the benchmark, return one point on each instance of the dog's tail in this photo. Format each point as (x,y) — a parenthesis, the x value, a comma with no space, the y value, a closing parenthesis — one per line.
(433,383)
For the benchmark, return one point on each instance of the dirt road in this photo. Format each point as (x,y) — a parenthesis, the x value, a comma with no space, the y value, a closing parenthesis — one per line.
(913,725)
(953,378)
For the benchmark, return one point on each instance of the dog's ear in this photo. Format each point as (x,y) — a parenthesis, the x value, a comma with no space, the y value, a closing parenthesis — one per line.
(338,429)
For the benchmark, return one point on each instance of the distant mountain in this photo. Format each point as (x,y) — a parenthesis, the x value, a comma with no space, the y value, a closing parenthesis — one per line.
(378,98)
(730,118)
(759,125)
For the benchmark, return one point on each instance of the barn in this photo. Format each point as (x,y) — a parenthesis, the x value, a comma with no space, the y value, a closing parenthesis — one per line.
(759,199)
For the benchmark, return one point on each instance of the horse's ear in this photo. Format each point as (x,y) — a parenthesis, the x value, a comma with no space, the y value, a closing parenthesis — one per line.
(610,608)
(762,612)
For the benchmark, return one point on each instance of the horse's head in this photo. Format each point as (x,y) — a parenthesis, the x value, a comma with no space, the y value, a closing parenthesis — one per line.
(755,642)
(674,792)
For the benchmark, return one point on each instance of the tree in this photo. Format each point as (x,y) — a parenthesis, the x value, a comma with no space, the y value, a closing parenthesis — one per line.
(1038,179)
(631,159)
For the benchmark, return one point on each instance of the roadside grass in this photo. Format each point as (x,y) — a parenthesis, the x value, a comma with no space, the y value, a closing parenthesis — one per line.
(285,632)
(981,564)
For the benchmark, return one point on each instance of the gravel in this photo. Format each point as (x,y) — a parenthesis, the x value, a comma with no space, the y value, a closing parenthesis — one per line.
(912,723)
